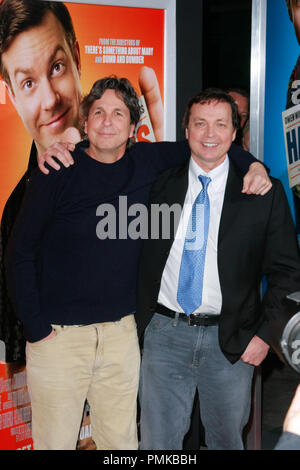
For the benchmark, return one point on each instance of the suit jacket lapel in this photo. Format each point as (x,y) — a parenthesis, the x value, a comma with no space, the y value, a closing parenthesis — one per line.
(173,192)
(178,185)
(231,205)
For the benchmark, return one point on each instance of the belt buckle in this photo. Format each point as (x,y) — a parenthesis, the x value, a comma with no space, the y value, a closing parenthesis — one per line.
(192,320)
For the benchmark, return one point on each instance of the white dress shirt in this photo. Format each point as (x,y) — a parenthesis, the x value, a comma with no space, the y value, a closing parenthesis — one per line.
(211,294)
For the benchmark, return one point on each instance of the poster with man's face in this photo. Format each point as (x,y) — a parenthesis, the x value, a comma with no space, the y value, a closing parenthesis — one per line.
(123,41)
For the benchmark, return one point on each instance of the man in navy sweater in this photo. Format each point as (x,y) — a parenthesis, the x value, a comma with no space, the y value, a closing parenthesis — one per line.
(72,270)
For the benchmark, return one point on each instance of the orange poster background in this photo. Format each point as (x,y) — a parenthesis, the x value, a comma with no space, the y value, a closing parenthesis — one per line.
(91,22)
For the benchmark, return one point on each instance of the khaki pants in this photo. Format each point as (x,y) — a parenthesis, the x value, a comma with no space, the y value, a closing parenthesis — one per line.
(98,362)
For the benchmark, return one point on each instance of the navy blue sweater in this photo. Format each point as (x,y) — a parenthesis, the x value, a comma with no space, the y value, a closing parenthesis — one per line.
(58,270)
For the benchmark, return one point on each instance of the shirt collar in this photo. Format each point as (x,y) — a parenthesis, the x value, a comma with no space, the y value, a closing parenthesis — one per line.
(218,175)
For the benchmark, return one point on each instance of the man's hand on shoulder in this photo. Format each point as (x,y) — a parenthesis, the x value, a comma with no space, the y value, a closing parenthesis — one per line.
(60,150)
(256,181)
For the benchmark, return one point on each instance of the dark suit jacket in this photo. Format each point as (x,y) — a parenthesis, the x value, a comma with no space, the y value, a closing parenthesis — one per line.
(256,238)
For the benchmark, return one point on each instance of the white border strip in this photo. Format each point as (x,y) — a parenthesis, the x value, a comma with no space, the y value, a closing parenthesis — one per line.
(258,72)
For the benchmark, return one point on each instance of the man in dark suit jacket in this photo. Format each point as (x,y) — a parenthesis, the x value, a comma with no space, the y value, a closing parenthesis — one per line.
(214,345)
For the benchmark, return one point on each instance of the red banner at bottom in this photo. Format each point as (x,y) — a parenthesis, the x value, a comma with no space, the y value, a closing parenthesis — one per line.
(15,409)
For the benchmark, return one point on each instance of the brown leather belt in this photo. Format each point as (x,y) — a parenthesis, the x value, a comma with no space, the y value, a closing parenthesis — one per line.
(192,320)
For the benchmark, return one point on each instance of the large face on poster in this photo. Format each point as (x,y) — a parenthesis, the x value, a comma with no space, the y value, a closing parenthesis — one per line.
(47,67)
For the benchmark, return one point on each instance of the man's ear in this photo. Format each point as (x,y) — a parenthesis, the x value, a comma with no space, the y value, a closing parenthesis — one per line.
(77,57)
(234,135)
(131,132)
(10,94)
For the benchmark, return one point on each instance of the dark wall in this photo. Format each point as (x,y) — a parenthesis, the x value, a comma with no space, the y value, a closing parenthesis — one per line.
(226,43)
(213,47)
(189,54)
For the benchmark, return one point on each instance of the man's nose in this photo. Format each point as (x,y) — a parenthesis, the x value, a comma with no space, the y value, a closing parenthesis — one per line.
(210,130)
(107,119)
(49,95)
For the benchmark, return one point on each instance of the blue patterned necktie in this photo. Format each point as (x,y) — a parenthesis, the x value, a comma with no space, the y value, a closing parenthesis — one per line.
(190,283)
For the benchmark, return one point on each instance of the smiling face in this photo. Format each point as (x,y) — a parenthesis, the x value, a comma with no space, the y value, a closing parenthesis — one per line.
(210,133)
(108,127)
(44,81)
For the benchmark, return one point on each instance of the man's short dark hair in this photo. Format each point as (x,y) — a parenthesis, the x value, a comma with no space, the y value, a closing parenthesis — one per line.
(206,97)
(240,91)
(17,16)
(123,89)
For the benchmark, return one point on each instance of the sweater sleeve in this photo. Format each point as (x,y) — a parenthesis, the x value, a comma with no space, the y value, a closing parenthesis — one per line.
(242,159)
(165,155)
(22,253)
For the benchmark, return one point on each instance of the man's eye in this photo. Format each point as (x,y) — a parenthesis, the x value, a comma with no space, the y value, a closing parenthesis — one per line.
(58,67)
(28,84)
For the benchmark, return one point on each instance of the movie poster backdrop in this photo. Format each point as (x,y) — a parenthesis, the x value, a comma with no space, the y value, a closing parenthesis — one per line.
(282,98)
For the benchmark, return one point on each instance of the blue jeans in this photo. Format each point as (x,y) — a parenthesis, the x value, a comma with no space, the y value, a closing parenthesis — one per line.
(178,359)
